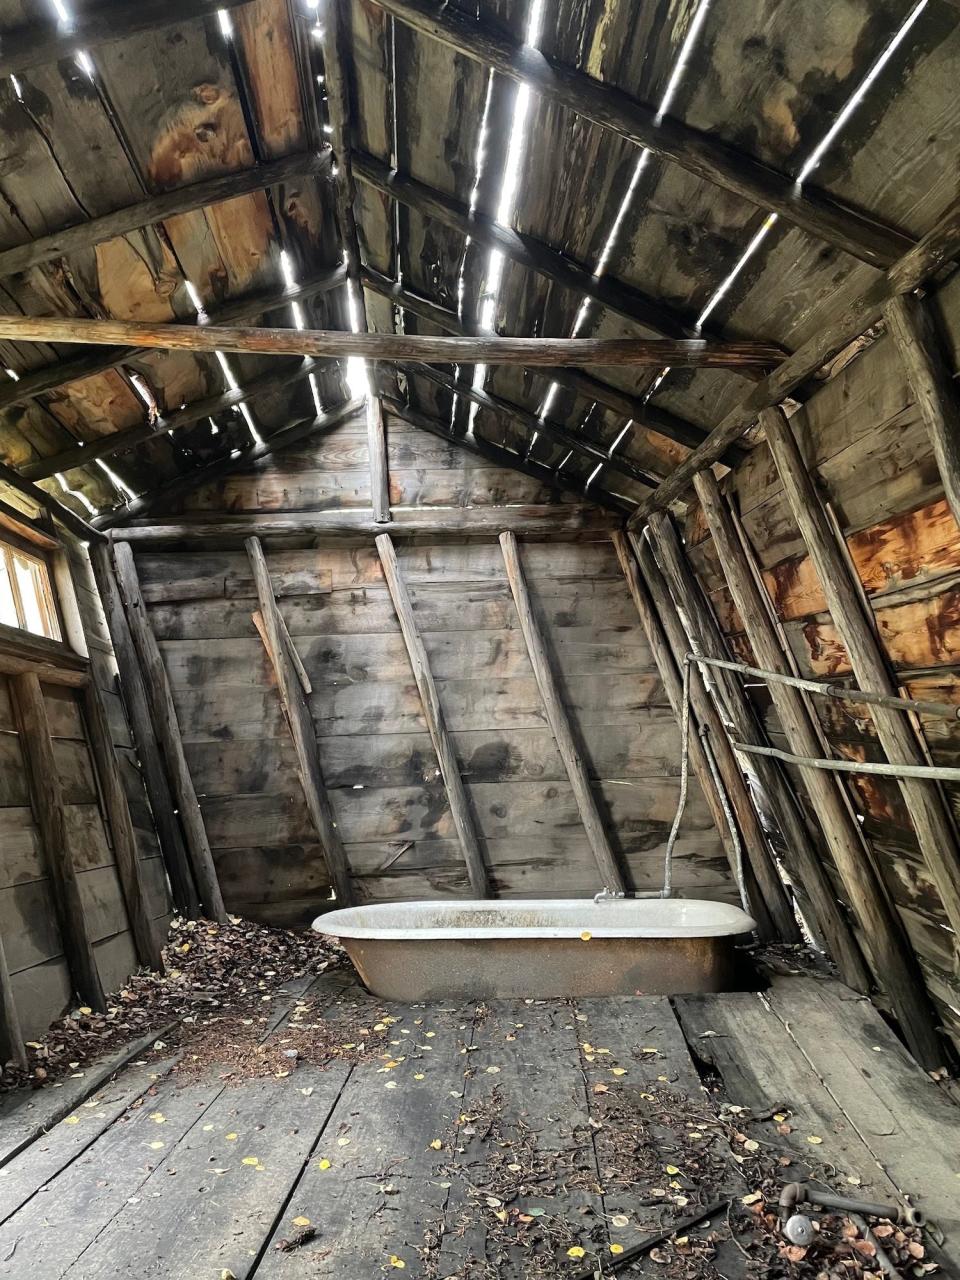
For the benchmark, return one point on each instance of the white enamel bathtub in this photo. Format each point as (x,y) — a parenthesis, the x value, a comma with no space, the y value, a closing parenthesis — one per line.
(539,948)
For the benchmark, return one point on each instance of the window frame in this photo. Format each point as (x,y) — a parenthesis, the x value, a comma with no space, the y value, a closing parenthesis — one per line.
(12,544)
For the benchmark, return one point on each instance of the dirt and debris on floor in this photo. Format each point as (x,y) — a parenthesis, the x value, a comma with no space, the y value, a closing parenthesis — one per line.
(218,983)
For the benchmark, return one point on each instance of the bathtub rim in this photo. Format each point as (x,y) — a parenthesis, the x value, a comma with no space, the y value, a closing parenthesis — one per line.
(731,921)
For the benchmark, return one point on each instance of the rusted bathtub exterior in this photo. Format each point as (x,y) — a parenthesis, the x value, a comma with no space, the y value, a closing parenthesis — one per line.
(415,951)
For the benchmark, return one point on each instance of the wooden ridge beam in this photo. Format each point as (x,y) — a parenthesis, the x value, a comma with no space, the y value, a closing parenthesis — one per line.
(924,800)
(99,360)
(302,729)
(578,381)
(336,62)
(544,670)
(47,802)
(704,636)
(460,811)
(895,964)
(196,195)
(134,694)
(650,353)
(911,322)
(163,716)
(515,414)
(816,212)
(763,884)
(526,250)
(100,22)
(937,248)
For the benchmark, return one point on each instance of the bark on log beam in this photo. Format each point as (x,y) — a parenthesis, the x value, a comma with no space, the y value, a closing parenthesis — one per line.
(699,153)
(302,730)
(226,186)
(433,714)
(914,330)
(924,800)
(938,247)
(649,353)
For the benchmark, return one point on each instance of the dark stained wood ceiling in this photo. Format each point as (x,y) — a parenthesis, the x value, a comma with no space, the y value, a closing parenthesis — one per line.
(177,102)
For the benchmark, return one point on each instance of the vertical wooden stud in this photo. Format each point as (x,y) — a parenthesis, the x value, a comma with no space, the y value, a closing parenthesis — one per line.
(48,805)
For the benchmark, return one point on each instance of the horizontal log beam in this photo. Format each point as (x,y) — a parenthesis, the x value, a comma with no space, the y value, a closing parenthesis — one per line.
(50,377)
(699,153)
(226,186)
(535,519)
(516,415)
(576,380)
(339,345)
(937,248)
(37,45)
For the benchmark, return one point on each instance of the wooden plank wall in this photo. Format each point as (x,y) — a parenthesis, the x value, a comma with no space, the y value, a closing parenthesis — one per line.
(863,437)
(28,923)
(375,750)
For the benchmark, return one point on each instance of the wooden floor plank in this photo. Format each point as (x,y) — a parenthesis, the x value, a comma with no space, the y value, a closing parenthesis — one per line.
(24,1116)
(524,1104)
(764,1070)
(52,1152)
(372,1187)
(905,1120)
(209,1205)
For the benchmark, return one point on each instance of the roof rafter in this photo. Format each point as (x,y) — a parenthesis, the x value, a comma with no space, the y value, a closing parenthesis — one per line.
(815,211)
(578,381)
(938,247)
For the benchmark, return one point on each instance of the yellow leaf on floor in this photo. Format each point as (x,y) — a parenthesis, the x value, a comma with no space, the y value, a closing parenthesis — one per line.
(436,1144)
(397,1262)
(301,1221)
(576,1252)
(323,1164)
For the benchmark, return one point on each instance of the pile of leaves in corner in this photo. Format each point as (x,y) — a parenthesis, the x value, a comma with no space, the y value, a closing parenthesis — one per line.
(208,967)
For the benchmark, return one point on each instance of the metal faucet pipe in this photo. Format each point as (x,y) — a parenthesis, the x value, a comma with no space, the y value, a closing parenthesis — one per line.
(842,693)
(795,1193)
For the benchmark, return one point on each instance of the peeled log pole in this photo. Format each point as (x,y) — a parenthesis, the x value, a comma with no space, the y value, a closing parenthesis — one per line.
(301,729)
(134,694)
(673,686)
(911,323)
(651,353)
(436,723)
(123,836)
(763,882)
(895,964)
(938,247)
(46,795)
(924,800)
(167,728)
(556,713)
(800,855)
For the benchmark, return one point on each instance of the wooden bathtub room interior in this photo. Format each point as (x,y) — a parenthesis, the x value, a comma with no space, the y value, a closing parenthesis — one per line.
(404,407)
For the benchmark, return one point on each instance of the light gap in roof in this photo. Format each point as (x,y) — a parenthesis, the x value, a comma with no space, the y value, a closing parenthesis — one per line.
(76,494)
(116,481)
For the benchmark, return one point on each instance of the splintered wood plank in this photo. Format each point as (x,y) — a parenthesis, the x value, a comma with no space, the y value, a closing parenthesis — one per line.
(374,1185)
(213,1198)
(907,1122)
(53,1152)
(524,1104)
